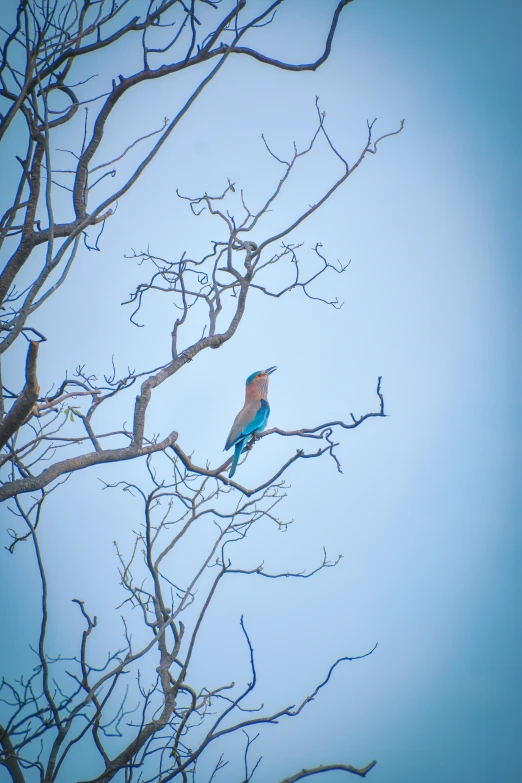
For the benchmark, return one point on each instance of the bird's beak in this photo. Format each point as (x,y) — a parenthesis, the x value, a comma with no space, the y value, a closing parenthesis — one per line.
(270,370)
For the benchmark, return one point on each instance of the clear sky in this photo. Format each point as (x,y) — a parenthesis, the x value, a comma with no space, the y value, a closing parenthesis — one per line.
(425,511)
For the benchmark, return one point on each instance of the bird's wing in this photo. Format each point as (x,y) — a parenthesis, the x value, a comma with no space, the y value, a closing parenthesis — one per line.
(251,418)
(259,421)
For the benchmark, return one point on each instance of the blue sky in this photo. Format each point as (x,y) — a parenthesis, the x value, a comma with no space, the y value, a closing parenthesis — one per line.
(425,511)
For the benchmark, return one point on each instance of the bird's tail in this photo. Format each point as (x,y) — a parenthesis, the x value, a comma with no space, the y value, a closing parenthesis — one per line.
(235,458)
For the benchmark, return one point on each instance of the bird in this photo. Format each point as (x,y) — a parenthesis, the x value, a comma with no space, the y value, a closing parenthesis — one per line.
(253,416)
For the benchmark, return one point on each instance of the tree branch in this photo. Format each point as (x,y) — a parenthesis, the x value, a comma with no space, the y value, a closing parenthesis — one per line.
(305,773)
(10,758)
(289,66)
(27,399)
(71,465)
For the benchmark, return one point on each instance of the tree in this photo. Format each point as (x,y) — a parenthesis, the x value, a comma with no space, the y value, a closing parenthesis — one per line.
(49,57)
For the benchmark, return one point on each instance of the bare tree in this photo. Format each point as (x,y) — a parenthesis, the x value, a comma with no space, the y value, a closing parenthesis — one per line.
(48,58)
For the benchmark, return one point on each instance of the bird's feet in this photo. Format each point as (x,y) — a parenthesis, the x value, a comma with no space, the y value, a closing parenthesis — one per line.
(251,442)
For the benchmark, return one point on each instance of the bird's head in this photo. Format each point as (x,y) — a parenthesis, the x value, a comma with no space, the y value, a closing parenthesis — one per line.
(260,375)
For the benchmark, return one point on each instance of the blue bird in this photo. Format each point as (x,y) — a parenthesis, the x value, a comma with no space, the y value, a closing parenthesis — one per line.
(253,416)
